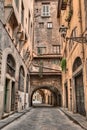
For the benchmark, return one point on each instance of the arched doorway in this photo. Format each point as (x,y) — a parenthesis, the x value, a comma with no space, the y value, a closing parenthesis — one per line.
(9,94)
(55,101)
(79,86)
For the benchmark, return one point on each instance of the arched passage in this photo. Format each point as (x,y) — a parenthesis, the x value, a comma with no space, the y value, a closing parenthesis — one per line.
(38,97)
(79,86)
(54,91)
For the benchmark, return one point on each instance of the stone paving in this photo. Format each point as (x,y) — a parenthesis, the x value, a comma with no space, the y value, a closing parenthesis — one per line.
(79,119)
(43,119)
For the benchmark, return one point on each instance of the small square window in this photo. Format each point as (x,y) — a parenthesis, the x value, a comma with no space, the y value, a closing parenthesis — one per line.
(41,25)
(49,25)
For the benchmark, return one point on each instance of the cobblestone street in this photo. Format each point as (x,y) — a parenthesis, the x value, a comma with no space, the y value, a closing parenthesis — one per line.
(43,119)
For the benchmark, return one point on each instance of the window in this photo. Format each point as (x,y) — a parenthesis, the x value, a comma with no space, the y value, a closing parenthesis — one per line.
(49,25)
(22,14)
(41,50)
(41,25)
(45,10)
(56,61)
(11,65)
(56,49)
(76,64)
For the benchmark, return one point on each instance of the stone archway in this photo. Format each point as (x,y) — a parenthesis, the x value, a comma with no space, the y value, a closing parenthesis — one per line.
(78,86)
(53,90)
(38,97)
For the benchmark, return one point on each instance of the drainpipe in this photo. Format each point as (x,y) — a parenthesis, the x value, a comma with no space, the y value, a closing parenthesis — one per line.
(81,28)
(83,54)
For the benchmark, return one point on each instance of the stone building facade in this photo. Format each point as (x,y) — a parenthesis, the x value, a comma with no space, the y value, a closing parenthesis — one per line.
(16,35)
(73,15)
(45,70)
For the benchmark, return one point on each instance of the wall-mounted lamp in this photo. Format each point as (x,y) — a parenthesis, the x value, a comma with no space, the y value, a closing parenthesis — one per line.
(63,30)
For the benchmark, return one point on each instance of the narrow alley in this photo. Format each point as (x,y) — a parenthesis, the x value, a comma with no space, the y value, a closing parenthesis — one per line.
(46,118)
(43,64)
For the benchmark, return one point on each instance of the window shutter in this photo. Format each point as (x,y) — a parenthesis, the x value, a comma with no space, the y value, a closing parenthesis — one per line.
(45,10)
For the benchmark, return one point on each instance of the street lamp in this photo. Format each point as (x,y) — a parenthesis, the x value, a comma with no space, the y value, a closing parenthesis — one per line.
(81,39)
(63,30)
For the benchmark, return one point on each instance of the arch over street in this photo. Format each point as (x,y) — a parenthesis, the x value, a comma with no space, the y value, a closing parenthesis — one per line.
(54,91)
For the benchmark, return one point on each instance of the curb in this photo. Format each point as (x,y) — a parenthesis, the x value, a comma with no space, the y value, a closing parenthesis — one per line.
(73,119)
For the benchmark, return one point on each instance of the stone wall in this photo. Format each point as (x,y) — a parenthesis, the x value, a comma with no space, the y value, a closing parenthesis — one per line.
(44,36)
(7,47)
(54,81)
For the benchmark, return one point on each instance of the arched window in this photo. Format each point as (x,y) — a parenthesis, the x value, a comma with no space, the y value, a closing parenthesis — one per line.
(77,63)
(21,79)
(11,65)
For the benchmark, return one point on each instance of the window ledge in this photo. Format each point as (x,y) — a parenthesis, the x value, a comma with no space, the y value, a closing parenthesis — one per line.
(45,16)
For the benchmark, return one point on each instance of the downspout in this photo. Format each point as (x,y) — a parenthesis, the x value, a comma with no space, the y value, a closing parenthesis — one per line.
(83,53)
(81,28)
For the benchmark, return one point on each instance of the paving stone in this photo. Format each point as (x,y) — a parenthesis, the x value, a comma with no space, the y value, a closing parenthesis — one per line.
(43,119)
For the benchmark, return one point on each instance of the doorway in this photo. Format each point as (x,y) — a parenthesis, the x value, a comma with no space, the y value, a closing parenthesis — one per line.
(79,89)
(66,95)
(6,95)
(13,96)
